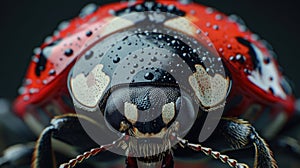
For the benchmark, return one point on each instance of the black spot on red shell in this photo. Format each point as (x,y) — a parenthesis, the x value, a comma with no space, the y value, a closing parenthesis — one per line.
(251,51)
(151,6)
(41,64)
(271,90)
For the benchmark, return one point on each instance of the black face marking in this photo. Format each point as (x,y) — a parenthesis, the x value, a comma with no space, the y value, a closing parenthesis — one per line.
(153,126)
(151,6)
(149,102)
(41,64)
(251,52)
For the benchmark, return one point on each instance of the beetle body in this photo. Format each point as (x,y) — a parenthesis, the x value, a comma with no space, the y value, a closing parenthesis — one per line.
(89,57)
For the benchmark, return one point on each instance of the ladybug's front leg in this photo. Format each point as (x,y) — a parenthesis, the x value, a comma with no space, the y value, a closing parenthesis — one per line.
(66,128)
(237,134)
(240,134)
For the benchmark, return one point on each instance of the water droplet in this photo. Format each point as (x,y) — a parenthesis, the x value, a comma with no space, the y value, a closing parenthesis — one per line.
(215,27)
(142,59)
(208,24)
(185,2)
(88,54)
(45,82)
(267,60)
(116,60)
(37,51)
(138,7)
(209,10)
(35,59)
(52,72)
(218,17)
(132,71)
(171,7)
(149,76)
(27,82)
(119,48)
(33,90)
(63,25)
(240,58)
(88,33)
(21,90)
(26,98)
(68,52)
(112,12)
(247,71)
(135,65)
(87,10)
(153,59)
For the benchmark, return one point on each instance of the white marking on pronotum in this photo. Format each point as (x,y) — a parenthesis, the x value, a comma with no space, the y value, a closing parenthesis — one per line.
(88,90)
(210,91)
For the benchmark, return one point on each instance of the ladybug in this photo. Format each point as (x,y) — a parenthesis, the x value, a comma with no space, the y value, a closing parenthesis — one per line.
(145,77)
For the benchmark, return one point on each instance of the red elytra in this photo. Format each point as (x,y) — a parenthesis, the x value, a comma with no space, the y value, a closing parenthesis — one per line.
(46,78)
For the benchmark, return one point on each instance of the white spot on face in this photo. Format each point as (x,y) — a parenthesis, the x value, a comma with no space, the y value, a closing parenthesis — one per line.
(210,91)
(168,112)
(131,112)
(267,71)
(88,90)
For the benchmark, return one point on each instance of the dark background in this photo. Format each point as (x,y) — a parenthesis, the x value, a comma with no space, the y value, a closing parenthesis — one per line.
(25,23)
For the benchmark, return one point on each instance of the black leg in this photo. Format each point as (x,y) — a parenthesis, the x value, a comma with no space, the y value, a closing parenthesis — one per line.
(240,134)
(235,134)
(66,128)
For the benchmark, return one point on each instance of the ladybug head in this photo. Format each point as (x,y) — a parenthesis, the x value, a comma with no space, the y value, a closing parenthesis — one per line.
(149,83)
